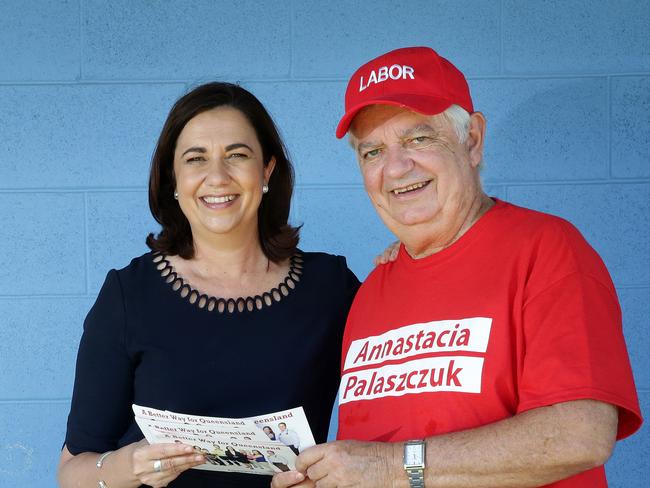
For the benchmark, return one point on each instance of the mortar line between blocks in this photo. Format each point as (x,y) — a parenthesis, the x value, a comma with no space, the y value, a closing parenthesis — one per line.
(320,79)
(501,55)
(23,401)
(81,39)
(86,246)
(49,296)
(609,126)
(506,184)
(637,286)
(291,37)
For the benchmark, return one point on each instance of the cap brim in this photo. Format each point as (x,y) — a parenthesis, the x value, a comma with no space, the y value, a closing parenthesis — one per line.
(418,103)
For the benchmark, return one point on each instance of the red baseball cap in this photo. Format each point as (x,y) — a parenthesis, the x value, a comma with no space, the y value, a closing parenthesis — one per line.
(412,77)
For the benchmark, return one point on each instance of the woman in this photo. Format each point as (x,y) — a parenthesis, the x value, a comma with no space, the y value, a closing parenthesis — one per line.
(239,458)
(223,281)
(269,432)
(257,456)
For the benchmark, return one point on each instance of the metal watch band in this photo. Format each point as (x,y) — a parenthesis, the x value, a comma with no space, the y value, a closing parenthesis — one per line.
(416,477)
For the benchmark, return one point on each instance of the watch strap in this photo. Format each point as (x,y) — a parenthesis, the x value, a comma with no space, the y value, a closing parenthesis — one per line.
(416,477)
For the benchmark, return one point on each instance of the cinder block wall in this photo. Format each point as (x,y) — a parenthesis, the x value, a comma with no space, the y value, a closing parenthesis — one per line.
(85,86)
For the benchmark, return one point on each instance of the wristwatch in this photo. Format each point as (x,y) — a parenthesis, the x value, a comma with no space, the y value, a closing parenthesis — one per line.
(414,455)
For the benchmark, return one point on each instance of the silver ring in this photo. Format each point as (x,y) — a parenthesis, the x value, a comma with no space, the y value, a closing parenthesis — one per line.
(157,465)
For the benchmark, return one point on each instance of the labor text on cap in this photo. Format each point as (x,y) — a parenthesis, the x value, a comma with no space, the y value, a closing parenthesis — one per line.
(394,72)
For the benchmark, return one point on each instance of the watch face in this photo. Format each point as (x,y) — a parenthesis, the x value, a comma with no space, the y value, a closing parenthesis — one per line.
(413,455)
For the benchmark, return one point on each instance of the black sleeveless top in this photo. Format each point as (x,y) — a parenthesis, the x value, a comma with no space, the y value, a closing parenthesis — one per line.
(152,340)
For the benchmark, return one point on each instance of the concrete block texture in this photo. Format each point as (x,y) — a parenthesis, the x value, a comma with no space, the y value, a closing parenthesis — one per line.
(544,129)
(80,135)
(42,243)
(32,436)
(185,40)
(118,224)
(85,87)
(635,303)
(39,40)
(631,127)
(332,39)
(614,218)
(580,36)
(35,331)
(307,114)
(342,221)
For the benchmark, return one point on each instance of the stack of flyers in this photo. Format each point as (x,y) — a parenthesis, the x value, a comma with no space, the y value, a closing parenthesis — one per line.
(266,444)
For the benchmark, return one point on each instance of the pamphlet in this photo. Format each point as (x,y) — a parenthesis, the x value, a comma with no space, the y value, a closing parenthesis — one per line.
(265,444)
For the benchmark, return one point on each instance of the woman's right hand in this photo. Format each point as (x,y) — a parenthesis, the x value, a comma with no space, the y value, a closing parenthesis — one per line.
(174,459)
(389,254)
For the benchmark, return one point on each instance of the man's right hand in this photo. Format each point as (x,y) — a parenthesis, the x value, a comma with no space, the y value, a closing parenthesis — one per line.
(293,479)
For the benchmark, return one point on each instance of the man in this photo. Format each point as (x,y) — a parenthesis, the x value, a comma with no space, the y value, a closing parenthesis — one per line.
(277,460)
(289,438)
(490,353)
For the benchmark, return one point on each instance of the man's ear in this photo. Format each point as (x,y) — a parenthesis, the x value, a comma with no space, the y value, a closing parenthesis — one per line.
(475,138)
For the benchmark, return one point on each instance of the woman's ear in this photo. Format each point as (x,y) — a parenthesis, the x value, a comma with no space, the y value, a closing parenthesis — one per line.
(268,169)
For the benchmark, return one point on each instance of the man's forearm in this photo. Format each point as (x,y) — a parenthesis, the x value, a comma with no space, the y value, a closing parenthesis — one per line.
(530,449)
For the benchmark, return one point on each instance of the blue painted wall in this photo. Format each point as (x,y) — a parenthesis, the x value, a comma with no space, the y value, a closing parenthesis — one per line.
(85,86)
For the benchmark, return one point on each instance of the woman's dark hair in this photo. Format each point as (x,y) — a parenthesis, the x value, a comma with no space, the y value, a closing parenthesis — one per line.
(277,238)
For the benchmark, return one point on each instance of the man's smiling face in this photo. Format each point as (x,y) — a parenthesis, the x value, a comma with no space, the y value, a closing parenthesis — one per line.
(414,168)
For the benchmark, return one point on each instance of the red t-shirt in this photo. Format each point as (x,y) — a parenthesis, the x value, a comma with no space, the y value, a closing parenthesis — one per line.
(519,313)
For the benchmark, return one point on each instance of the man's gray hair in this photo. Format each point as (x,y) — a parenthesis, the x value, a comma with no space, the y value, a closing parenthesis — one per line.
(458,117)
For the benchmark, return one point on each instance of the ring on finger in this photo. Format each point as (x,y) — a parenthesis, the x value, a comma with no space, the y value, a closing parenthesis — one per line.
(157,465)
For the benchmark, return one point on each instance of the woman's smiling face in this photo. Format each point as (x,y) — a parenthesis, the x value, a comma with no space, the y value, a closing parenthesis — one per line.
(219,171)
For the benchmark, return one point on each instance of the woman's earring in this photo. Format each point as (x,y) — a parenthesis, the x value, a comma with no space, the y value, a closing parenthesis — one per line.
(176,195)
(265,188)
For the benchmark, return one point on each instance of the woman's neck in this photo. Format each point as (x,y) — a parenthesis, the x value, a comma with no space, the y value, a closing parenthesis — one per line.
(228,258)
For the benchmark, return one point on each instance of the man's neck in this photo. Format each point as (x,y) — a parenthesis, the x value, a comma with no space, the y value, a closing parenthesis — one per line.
(435,241)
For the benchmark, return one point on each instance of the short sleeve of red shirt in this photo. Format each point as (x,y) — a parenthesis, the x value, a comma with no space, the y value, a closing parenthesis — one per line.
(574,346)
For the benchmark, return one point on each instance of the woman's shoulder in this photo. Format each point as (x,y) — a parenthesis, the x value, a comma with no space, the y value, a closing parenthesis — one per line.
(140,268)
(315,258)
(322,263)
(324,267)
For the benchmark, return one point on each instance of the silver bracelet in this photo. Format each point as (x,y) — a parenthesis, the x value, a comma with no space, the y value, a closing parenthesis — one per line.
(100,461)
(99,464)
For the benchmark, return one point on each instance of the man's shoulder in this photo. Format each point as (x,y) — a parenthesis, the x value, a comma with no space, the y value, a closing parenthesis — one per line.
(530,218)
(521,225)
(556,243)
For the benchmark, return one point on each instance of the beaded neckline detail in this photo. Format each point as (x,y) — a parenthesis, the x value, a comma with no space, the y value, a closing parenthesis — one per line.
(230,305)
